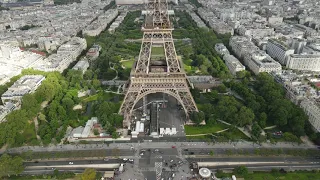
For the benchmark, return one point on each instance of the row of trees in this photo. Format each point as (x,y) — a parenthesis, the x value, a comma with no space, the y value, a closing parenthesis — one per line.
(10,165)
(256,103)
(115,48)
(61,95)
(202,53)
(267,101)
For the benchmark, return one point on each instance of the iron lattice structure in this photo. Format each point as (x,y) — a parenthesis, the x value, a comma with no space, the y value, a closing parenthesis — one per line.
(151,76)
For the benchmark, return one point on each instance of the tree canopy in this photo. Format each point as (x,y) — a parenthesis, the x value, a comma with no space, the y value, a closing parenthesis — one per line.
(10,165)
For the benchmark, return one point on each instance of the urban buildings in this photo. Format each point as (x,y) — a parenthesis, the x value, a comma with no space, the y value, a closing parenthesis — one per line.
(221,49)
(258,61)
(84,132)
(305,62)
(233,64)
(13,60)
(312,109)
(117,22)
(82,65)
(241,46)
(97,26)
(300,92)
(26,84)
(197,19)
(279,50)
(66,54)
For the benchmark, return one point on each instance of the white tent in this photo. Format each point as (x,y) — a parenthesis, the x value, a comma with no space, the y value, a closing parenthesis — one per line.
(174,131)
(168,131)
(162,131)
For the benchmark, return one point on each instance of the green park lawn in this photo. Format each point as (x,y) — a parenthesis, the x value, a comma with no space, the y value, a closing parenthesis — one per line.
(91,98)
(157,51)
(127,64)
(191,130)
(104,96)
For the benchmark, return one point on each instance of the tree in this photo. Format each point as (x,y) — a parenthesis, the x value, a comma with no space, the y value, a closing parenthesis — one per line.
(262,119)
(96,83)
(241,170)
(95,132)
(115,135)
(89,174)
(245,116)
(256,130)
(67,103)
(197,117)
(10,166)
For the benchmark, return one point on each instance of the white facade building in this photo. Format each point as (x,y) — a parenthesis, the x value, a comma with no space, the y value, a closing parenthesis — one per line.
(241,46)
(233,64)
(82,65)
(306,62)
(66,54)
(24,85)
(97,26)
(278,50)
(312,109)
(221,49)
(259,61)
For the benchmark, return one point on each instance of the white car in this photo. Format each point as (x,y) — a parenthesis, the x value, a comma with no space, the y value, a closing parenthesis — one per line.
(141,154)
(125,159)
(156,150)
(70,163)
(131,160)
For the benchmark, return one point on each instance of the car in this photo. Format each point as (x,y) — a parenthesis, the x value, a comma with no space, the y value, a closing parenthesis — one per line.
(156,150)
(125,159)
(141,154)
(173,146)
(70,163)
(131,160)
(171,160)
(106,159)
(142,150)
(173,175)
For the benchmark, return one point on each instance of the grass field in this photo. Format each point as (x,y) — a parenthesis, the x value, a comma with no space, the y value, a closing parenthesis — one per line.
(127,64)
(191,130)
(101,95)
(157,51)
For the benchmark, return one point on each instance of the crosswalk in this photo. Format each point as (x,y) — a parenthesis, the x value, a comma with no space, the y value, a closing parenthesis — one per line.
(158,168)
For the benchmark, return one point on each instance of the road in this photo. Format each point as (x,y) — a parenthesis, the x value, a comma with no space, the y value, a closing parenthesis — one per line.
(201,145)
(172,160)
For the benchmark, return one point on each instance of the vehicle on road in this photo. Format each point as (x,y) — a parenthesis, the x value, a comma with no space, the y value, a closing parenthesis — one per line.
(70,163)
(156,150)
(125,159)
(171,160)
(173,146)
(141,154)
(131,160)
(142,150)
(106,159)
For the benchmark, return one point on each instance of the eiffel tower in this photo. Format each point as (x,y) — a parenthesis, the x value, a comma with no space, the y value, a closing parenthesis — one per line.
(152,75)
